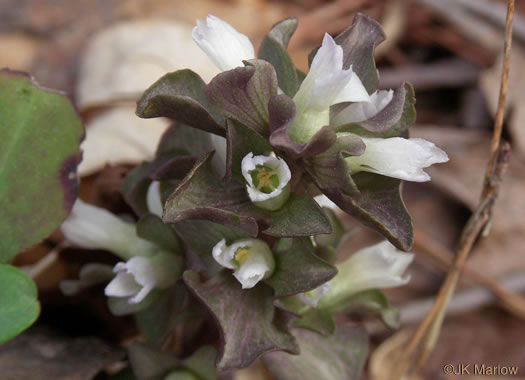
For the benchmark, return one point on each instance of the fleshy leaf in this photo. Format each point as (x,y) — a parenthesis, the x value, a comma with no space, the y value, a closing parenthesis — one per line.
(340,356)
(150,227)
(40,133)
(358,43)
(273,50)
(200,236)
(163,314)
(391,121)
(372,302)
(297,268)
(180,96)
(180,138)
(150,363)
(330,170)
(379,206)
(282,111)
(245,319)
(242,140)
(300,216)
(19,307)
(135,188)
(202,195)
(317,320)
(333,239)
(243,94)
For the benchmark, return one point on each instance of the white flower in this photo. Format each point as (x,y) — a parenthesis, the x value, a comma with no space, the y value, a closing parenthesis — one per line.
(251,259)
(93,227)
(153,200)
(225,46)
(312,297)
(323,201)
(326,84)
(397,157)
(361,111)
(268,180)
(376,267)
(137,277)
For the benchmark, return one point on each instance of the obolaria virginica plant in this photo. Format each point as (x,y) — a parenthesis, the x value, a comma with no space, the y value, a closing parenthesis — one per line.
(238,223)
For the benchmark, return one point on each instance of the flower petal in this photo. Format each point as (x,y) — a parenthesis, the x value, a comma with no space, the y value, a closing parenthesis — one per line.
(398,158)
(225,46)
(153,200)
(363,110)
(123,285)
(377,267)
(250,163)
(327,83)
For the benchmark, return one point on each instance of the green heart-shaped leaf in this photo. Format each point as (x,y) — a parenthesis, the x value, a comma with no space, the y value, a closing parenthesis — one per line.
(19,307)
(40,133)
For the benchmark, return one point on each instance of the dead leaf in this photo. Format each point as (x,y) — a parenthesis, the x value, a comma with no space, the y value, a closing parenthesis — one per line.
(502,251)
(122,61)
(41,354)
(118,136)
(490,83)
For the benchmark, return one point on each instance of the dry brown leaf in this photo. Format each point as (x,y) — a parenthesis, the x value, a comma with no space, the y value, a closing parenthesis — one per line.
(502,251)
(41,354)
(118,136)
(490,81)
(123,60)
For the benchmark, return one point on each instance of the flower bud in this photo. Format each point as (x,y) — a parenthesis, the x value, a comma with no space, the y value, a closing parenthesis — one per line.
(225,46)
(268,180)
(93,227)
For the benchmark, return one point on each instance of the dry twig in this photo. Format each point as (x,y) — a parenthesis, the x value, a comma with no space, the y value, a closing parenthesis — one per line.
(423,341)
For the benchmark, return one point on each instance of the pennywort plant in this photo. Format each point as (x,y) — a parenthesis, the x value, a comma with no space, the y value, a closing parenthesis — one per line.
(237,225)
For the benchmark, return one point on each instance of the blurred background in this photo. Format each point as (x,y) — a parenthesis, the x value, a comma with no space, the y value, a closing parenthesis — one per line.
(103,54)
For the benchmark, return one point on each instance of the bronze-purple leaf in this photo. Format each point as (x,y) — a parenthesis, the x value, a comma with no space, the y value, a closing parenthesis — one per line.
(298,269)
(340,356)
(391,121)
(203,195)
(243,94)
(245,319)
(379,205)
(180,96)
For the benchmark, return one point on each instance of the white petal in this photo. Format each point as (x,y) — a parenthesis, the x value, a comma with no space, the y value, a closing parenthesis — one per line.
(312,297)
(398,158)
(252,271)
(327,83)
(141,294)
(354,91)
(123,285)
(361,111)
(379,266)
(250,162)
(93,227)
(153,200)
(157,271)
(225,46)
(224,254)
(323,201)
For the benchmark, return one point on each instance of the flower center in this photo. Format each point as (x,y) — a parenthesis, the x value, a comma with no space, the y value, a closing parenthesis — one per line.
(265,179)
(242,255)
